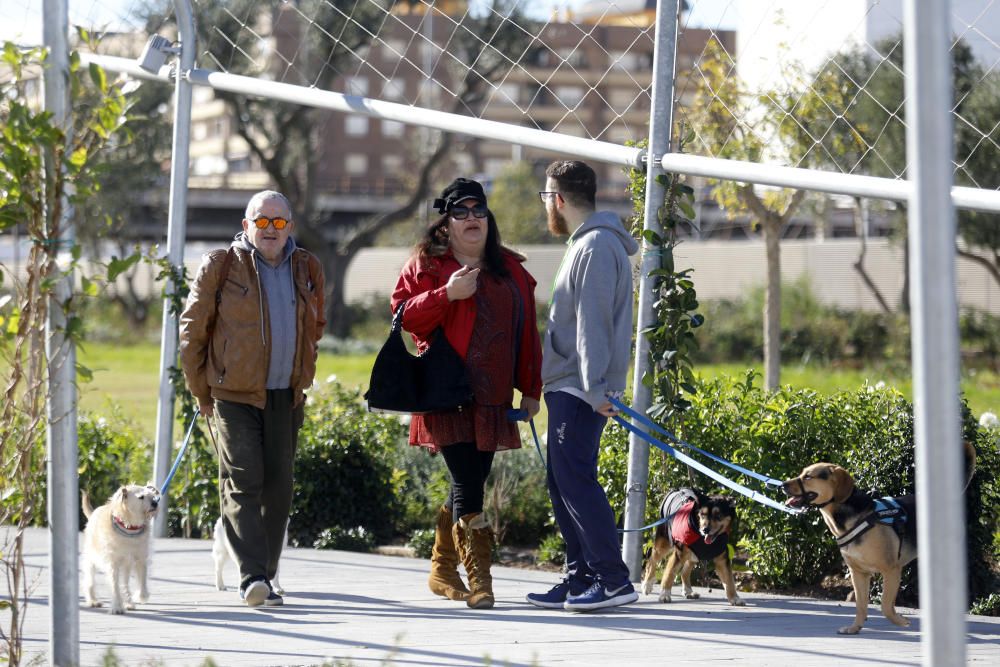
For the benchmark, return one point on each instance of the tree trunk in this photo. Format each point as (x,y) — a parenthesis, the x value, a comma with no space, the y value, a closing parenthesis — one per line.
(859,265)
(772,303)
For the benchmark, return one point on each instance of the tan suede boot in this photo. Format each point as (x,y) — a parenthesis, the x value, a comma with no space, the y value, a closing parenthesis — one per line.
(445,580)
(474,540)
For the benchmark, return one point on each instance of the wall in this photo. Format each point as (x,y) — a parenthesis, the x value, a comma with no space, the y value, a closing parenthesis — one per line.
(728,269)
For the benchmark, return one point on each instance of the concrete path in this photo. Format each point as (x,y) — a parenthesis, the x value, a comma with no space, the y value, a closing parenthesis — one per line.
(360,609)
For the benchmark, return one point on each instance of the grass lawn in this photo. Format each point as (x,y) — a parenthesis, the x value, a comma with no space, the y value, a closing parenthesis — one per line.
(127,376)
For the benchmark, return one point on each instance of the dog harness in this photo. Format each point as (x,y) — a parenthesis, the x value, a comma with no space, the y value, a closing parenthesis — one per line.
(888,511)
(681,508)
(126,529)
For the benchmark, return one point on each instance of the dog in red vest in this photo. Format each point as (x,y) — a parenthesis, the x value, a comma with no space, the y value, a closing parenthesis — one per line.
(698,527)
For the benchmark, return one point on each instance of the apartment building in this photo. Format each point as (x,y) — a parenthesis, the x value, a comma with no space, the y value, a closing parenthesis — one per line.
(585,75)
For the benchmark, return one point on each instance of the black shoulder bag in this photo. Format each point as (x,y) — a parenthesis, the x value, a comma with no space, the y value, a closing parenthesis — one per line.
(431,382)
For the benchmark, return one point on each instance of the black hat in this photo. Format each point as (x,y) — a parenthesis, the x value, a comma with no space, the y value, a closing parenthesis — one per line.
(459,189)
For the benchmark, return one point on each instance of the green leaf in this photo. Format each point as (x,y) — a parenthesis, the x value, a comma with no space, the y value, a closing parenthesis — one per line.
(99,78)
(88,287)
(79,157)
(84,374)
(118,266)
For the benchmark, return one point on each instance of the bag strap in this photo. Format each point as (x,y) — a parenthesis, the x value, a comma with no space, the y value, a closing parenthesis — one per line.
(397,318)
(227,263)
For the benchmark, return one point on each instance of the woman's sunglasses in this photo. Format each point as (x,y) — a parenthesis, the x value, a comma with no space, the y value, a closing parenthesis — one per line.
(462,212)
(262,222)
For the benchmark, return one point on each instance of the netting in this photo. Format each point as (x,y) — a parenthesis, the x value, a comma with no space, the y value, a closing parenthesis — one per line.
(814,84)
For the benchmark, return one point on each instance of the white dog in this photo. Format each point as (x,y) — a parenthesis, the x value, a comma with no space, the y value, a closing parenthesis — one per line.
(117,542)
(222,551)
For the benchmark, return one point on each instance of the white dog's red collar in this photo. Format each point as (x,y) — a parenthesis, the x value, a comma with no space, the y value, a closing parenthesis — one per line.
(125,529)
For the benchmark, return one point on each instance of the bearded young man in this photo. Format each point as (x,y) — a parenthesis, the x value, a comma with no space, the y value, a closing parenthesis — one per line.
(585,359)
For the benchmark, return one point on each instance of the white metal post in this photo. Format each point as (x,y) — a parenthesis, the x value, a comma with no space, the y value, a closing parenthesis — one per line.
(176,232)
(60,359)
(660,123)
(937,420)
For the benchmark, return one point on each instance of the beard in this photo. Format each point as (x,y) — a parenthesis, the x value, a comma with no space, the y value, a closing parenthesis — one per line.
(557,223)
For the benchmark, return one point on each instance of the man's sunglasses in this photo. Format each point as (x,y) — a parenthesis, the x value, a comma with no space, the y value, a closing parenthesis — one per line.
(262,222)
(462,212)
(546,196)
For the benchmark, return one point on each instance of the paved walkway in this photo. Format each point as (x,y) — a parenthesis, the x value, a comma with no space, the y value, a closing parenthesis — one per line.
(361,609)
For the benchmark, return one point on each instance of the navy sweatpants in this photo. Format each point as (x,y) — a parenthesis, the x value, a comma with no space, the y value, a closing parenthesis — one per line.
(581,507)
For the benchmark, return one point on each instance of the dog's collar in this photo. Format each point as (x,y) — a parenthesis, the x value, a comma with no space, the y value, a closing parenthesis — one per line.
(126,529)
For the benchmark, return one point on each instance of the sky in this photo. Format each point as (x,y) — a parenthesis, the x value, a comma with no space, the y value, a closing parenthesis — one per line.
(21,20)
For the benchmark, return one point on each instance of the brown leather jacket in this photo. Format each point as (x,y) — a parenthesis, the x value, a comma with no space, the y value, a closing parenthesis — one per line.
(224,349)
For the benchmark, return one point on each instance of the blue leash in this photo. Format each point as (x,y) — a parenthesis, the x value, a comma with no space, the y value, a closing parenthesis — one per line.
(700,467)
(180,454)
(646,421)
(520,416)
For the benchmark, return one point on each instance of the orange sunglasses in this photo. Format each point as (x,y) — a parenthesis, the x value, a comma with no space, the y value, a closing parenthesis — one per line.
(262,222)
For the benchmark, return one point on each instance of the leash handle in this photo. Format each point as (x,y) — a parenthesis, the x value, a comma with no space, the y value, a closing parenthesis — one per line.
(522,416)
(646,421)
(177,461)
(700,467)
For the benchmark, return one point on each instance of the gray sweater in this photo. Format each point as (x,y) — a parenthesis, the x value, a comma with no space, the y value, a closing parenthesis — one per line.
(278,289)
(588,341)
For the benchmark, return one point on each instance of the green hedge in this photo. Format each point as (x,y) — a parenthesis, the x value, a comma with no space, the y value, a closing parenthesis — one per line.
(868,431)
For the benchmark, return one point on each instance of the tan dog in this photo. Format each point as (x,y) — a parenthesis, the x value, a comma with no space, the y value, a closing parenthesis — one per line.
(117,541)
(222,551)
(875,536)
(697,528)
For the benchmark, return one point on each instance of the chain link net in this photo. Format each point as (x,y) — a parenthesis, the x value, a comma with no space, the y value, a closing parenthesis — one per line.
(817,85)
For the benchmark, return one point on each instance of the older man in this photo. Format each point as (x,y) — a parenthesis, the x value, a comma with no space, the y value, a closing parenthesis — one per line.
(248,350)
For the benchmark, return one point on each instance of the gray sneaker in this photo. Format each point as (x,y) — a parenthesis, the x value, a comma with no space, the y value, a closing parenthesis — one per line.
(273,600)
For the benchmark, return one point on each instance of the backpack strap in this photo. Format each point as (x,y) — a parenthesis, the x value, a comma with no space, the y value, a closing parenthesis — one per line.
(227,263)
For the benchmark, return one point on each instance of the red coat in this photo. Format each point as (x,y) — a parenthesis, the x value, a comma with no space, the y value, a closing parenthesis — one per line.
(427,306)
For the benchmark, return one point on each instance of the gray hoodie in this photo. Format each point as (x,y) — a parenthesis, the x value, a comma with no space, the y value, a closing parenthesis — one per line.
(588,341)
(278,289)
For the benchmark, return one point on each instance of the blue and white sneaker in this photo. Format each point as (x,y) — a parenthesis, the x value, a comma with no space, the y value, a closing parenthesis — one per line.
(556,596)
(599,596)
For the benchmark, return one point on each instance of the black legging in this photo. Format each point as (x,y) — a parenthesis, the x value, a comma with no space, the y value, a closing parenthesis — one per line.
(469,469)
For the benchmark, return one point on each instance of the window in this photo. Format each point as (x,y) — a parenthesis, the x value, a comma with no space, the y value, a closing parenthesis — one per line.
(356,164)
(356,126)
(507,93)
(574,57)
(356,85)
(392,165)
(570,96)
(621,99)
(394,90)
(392,128)
(209,164)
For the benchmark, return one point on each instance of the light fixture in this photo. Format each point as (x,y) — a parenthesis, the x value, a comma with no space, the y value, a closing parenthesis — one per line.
(154,54)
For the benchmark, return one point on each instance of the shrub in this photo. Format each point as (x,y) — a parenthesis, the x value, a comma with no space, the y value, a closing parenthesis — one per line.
(986,606)
(552,549)
(111,453)
(811,331)
(345,539)
(517,498)
(344,467)
(868,431)
(422,542)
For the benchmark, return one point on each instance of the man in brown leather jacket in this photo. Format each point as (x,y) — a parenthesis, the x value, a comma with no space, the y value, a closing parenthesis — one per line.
(248,349)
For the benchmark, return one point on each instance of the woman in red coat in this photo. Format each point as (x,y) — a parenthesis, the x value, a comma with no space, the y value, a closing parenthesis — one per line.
(461,278)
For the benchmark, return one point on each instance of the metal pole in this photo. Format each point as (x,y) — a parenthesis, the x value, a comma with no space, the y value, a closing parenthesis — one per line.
(60,358)
(585,149)
(176,232)
(660,124)
(937,421)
